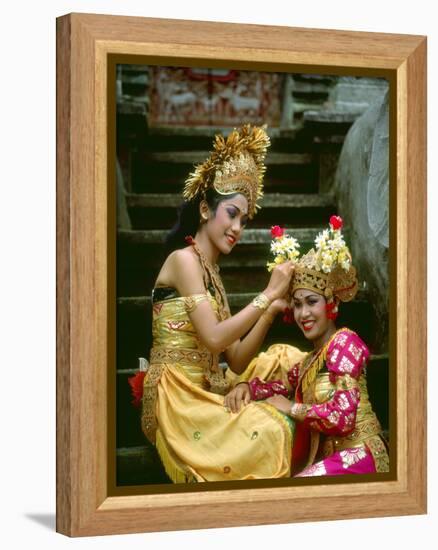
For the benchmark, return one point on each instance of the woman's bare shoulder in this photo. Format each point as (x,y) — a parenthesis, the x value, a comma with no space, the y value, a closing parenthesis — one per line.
(181,254)
(183,258)
(180,267)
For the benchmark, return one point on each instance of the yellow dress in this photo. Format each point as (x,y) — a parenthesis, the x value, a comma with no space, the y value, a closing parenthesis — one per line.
(183,409)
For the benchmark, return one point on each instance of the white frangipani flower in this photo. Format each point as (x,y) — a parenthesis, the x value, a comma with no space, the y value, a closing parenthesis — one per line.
(284,248)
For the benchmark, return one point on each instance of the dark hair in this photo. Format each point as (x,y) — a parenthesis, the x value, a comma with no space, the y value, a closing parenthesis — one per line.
(188,218)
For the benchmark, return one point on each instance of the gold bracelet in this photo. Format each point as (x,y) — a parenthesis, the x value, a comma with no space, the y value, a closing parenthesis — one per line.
(268,317)
(261,302)
(298,411)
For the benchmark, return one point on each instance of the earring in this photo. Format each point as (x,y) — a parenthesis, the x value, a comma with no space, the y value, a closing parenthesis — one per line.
(332,311)
(288,316)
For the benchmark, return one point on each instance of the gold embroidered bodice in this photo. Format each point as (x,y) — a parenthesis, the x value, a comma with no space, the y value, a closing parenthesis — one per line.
(176,342)
(171,325)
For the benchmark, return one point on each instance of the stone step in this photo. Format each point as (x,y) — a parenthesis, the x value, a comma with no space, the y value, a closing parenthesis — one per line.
(139,465)
(134,83)
(185,139)
(249,236)
(132,125)
(303,103)
(271,200)
(327,125)
(202,131)
(139,78)
(198,157)
(306,87)
(315,79)
(156,210)
(158,171)
(137,460)
(132,109)
(127,68)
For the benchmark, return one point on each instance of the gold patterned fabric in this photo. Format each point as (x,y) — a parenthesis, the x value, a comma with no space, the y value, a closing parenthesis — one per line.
(184,415)
(273,364)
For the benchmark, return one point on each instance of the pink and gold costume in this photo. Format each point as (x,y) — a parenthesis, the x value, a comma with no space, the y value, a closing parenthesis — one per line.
(337,431)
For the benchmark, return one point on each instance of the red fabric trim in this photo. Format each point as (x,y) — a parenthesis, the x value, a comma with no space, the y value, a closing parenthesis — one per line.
(301,447)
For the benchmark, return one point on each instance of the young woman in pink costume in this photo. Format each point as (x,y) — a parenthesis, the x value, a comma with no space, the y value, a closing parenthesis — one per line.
(336,429)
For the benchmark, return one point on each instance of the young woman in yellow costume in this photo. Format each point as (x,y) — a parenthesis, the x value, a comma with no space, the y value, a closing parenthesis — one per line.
(197,437)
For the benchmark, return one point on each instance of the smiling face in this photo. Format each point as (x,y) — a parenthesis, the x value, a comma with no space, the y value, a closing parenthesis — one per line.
(311,316)
(224,227)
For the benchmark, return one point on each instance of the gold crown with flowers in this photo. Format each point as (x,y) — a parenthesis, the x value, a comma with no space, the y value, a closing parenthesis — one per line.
(236,165)
(326,269)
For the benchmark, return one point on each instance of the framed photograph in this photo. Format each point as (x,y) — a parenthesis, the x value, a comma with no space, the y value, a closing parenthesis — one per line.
(139,102)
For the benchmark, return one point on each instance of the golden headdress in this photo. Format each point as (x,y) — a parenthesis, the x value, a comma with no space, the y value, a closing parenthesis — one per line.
(236,165)
(326,269)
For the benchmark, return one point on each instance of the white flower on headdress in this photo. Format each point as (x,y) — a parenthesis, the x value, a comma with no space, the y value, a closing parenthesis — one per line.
(321,239)
(326,266)
(284,248)
(331,250)
(337,242)
(344,259)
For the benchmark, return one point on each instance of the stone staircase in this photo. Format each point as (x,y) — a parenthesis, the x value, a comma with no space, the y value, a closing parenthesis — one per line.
(299,162)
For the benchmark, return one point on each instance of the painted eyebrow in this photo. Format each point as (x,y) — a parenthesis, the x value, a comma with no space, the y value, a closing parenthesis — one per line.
(237,208)
(308,296)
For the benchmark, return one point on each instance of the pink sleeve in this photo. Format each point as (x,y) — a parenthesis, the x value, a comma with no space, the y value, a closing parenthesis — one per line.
(337,416)
(347,354)
(262,390)
(346,357)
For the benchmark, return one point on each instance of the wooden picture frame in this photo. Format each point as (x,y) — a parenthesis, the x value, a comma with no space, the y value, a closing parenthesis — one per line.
(85,286)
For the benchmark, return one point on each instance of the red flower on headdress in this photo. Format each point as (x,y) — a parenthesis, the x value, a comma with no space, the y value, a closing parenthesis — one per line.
(277,231)
(136,383)
(336,222)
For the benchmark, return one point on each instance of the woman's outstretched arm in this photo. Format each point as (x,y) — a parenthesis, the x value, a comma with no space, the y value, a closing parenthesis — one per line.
(183,272)
(240,353)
